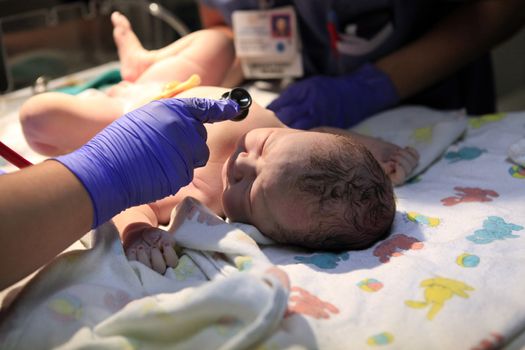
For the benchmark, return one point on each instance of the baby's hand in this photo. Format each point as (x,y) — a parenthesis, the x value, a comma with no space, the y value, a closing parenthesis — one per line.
(401,164)
(151,246)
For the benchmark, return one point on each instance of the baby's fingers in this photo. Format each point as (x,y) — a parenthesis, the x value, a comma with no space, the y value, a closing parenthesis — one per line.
(398,176)
(143,257)
(169,255)
(131,254)
(408,159)
(412,152)
(157,261)
(403,163)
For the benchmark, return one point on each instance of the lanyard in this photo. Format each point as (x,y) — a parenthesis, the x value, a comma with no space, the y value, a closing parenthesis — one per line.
(265,4)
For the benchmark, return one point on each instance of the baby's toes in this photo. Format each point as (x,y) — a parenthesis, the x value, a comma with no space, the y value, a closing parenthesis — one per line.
(157,261)
(170,257)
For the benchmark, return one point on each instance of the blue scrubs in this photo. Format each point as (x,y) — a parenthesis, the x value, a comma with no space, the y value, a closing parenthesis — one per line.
(328,28)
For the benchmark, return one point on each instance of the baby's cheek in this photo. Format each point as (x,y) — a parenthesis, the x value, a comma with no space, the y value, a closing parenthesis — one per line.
(231,205)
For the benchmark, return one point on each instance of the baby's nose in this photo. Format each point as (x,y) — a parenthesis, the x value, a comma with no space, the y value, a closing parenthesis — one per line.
(244,166)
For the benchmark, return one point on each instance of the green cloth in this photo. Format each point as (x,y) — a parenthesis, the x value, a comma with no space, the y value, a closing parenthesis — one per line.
(105,79)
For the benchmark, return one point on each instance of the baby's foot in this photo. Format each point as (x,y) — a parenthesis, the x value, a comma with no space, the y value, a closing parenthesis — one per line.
(134,59)
(151,246)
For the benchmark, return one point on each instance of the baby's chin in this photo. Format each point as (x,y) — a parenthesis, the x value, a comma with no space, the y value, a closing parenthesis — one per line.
(224,175)
(224,178)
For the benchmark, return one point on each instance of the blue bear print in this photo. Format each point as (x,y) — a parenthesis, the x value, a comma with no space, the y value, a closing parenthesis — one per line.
(494,228)
(323,260)
(464,153)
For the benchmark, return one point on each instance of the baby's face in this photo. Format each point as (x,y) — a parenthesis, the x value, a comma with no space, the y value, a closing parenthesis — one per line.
(257,181)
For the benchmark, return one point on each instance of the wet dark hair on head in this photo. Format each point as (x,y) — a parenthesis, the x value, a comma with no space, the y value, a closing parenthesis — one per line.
(352,203)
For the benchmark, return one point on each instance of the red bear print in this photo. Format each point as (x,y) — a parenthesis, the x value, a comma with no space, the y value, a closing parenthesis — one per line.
(303,302)
(389,248)
(469,194)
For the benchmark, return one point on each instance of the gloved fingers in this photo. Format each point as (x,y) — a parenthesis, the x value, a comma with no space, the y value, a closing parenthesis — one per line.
(201,157)
(277,104)
(206,110)
(291,97)
(157,260)
(295,117)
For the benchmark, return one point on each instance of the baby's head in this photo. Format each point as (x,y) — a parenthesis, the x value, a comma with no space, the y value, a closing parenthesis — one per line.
(311,189)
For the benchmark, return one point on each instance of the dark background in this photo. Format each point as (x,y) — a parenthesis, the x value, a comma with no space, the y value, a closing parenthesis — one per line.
(53,38)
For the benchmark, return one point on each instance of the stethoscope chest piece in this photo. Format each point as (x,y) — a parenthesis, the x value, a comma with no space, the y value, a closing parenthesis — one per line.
(243,99)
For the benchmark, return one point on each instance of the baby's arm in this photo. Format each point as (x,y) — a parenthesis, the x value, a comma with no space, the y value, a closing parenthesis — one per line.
(143,240)
(397,162)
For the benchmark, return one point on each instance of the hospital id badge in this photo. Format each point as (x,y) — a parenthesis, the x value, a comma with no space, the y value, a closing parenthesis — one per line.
(267,43)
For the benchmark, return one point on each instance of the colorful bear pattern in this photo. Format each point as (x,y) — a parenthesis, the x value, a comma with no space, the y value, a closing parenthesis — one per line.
(434,297)
(436,293)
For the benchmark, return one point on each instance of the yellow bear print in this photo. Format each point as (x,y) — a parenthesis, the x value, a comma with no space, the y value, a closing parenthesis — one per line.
(423,135)
(477,123)
(437,291)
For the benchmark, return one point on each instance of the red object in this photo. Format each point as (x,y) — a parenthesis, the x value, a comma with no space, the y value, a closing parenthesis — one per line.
(13,157)
(334,37)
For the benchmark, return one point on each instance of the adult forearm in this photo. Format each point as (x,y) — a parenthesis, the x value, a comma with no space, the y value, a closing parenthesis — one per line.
(469,31)
(43,209)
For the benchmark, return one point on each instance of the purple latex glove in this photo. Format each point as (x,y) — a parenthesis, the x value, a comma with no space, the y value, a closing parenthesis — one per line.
(147,154)
(335,101)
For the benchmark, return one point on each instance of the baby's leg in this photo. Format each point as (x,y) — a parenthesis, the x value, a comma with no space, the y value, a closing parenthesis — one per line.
(134,58)
(55,123)
(208,53)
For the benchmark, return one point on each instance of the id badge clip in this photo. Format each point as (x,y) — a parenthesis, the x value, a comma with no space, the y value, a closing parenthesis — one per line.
(267,43)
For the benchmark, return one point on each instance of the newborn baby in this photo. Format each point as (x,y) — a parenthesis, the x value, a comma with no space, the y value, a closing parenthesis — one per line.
(318,190)
(327,189)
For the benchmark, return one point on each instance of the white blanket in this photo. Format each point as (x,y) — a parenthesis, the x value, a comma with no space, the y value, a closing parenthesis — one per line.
(450,276)
(97,299)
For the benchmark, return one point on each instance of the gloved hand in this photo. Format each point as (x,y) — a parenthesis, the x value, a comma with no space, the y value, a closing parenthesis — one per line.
(335,101)
(147,154)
